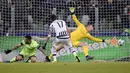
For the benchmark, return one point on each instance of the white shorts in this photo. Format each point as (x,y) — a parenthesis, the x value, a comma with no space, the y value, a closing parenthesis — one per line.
(64,42)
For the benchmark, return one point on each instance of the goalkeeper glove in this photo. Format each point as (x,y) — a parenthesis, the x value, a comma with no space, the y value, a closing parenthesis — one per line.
(72,10)
(107,41)
(7,51)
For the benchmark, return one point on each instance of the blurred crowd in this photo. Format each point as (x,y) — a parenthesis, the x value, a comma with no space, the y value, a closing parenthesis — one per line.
(40,11)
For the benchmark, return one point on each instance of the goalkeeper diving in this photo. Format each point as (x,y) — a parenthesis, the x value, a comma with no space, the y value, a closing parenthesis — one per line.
(29,50)
(82,32)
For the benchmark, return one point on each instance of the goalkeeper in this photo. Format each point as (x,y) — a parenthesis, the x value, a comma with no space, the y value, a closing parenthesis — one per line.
(29,50)
(82,32)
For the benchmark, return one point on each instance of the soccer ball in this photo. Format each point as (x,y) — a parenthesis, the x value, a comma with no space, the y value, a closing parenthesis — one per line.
(121,42)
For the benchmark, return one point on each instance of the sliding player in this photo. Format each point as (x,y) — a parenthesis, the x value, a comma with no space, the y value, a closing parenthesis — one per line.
(29,50)
(62,37)
(82,32)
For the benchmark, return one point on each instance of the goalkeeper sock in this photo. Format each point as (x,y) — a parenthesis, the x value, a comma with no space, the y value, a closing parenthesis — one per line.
(85,50)
(51,55)
(13,60)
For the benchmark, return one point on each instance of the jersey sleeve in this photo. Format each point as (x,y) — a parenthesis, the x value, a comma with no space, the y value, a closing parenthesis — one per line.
(76,20)
(50,30)
(93,38)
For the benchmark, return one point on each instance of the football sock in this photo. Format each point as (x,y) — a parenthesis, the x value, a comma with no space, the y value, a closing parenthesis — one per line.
(85,50)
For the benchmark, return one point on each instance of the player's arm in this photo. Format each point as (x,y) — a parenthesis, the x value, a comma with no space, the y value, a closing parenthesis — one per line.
(68,31)
(48,37)
(14,48)
(17,46)
(72,10)
(93,38)
(97,39)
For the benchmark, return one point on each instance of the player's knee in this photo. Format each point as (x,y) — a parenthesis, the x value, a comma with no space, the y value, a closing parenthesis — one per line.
(33,59)
(59,48)
(19,58)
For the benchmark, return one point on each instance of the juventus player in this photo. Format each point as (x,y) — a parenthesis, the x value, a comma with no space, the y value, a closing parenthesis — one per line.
(62,37)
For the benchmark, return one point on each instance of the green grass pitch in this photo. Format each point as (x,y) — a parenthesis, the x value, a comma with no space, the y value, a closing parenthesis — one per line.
(69,67)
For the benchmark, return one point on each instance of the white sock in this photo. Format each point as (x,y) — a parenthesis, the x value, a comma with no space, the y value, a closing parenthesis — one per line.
(53,51)
(75,54)
(73,51)
(54,57)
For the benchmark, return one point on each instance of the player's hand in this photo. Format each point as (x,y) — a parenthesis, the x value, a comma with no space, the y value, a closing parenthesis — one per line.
(7,51)
(107,41)
(72,9)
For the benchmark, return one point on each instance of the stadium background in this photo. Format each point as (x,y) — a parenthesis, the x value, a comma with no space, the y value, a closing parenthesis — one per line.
(31,17)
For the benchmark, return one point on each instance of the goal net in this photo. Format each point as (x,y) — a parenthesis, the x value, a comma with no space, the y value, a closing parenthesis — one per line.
(32,17)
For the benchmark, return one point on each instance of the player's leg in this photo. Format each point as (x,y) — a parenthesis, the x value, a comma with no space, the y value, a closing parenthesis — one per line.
(53,49)
(32,59)
(54,53)
(58,48)
(17,58)
(73,51)
(84,48)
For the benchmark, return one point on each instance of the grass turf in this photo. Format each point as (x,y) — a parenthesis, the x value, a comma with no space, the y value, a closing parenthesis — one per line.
(89,67)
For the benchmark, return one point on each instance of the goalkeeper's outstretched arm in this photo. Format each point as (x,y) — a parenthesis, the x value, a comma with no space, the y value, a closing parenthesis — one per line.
(97,39)
(72,10)
(93,38)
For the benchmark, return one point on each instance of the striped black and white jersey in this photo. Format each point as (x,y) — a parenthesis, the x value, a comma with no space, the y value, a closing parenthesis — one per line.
(60,28)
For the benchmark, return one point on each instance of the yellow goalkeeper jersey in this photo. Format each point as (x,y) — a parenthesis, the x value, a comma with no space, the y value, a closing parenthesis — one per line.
(81,32)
